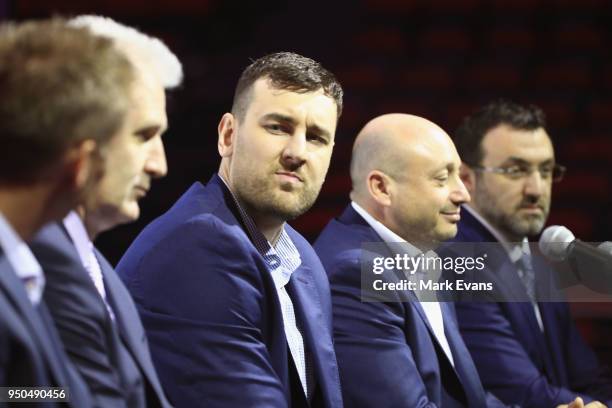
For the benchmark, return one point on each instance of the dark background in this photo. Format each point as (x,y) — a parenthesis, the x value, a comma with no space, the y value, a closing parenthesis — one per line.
(439,59)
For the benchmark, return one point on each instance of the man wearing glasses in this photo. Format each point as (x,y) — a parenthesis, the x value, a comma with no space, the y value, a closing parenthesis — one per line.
(527,352)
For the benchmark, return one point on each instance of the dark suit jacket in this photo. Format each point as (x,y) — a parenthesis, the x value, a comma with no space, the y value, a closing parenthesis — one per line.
(31,354)
(516,361)
(212,313)
(387,352)
(112,356)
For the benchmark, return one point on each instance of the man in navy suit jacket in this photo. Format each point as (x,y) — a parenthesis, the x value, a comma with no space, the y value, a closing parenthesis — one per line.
(529,353)
(94,313)
(63,99)
(235,302)
(398,351)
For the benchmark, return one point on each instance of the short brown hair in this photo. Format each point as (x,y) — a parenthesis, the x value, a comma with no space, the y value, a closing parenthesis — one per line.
(59,85)
(473,128)
(287,71)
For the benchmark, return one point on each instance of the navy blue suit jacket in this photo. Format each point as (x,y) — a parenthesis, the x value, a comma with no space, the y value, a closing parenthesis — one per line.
(31,354)
(112,357)
(387,352)
(515,359)
(211,310)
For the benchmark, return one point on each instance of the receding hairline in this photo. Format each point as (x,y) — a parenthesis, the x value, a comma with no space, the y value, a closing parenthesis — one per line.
(144,51)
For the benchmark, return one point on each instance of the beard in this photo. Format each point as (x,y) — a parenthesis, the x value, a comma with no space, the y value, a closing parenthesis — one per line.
(513,223)
(264,195)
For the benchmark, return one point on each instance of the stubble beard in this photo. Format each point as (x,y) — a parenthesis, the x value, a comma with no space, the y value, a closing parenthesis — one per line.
(515,224)
(265,196)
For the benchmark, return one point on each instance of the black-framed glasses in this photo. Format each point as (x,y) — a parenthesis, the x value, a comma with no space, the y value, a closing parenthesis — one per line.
(554,172)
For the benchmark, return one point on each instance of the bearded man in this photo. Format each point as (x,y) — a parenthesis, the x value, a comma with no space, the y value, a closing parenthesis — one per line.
(527,351)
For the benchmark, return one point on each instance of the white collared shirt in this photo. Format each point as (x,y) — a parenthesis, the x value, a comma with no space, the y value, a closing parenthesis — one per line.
(282,259)
(514,250)
(21,258)
(86,250)
(432,309)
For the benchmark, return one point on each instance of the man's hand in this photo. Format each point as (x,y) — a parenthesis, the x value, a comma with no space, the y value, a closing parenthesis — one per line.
(578,403)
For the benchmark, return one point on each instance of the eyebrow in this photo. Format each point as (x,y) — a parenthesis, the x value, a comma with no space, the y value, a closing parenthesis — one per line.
(150,128)
(449,167)
(279,118)
(291,121)
(520,160)
(319,131)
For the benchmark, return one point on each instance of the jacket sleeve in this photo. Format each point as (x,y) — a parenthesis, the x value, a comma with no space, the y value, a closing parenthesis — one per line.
(586,374)
(202,302)
(503,363)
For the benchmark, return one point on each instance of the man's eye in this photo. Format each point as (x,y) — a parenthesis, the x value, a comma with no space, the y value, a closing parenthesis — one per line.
(275,128)
(516,171)
(546,171)
(146,135)
(316,139)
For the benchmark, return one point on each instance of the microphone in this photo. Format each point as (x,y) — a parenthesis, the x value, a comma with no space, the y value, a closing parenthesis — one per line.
(592,265)
(558,243)
(606,247)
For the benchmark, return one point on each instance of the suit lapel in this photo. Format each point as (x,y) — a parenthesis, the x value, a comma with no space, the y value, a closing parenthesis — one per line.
(315,331)
(508,281)
(41,332)
(464,366)
(129,325)
(350,216)
(512,287)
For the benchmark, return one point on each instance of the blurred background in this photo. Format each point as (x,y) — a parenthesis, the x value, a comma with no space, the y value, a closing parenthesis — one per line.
(440,59)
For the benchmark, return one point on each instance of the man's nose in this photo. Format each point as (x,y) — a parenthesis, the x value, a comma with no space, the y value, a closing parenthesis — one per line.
(460,194)
(534,184)
(294,151)
(156,164)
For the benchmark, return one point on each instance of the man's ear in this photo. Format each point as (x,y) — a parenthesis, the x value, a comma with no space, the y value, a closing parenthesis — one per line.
(83,165)
(379,187)
(468,177)
(226,134)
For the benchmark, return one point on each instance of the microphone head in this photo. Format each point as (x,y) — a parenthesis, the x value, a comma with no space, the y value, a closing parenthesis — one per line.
(555,241)
(606,247)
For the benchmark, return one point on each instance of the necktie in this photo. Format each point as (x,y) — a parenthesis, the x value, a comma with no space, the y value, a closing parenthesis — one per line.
(527,275)
(95,272)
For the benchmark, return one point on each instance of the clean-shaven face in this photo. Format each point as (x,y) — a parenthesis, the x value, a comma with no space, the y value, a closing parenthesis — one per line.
(426,206)
(133,158)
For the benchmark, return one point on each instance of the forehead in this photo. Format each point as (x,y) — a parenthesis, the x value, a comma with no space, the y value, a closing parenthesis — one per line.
(504,142)
(148,100)
(433,151)
(315,107)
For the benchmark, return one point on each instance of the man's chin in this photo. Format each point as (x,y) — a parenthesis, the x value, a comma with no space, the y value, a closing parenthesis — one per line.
(528,227)
(288,208)
(447,233)
(128,213)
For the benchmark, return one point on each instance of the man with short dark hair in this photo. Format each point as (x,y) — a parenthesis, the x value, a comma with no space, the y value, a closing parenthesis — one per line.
(64,99)
(98,323)
(235,302)
(527,352)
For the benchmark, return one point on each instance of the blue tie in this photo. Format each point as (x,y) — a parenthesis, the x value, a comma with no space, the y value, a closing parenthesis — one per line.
(527,275)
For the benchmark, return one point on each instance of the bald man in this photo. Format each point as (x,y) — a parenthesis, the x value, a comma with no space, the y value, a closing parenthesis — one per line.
(399,352)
